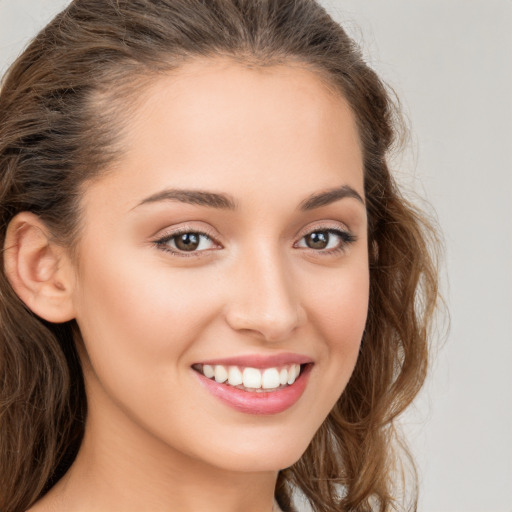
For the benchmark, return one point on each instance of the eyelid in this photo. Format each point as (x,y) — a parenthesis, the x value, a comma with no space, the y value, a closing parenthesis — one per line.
(324,226)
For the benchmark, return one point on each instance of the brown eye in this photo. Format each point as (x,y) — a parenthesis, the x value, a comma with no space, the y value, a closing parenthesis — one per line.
(317,240)
(187,241)
(326,240)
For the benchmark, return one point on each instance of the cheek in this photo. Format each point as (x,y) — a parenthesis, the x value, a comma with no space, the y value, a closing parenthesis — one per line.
(338,315)
(133,315)
(138,328)
(342,309)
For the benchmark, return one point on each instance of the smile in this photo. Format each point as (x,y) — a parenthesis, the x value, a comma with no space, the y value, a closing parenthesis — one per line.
(251,379)
(257,385)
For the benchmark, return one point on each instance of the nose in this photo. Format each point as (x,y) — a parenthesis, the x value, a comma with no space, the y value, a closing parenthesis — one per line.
(265,302)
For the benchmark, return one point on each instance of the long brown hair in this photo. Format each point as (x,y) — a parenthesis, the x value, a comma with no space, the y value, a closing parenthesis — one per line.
(63,106)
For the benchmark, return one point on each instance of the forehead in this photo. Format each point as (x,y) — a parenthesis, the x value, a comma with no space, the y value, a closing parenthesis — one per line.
(218,123)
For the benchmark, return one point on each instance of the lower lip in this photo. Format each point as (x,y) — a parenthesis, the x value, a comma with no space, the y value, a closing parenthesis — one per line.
(251,402)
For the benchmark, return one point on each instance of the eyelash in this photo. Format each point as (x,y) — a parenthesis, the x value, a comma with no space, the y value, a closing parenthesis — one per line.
(162,243)
(346,239)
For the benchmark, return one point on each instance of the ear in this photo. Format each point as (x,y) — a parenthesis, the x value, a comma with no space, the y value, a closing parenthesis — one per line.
(39,270)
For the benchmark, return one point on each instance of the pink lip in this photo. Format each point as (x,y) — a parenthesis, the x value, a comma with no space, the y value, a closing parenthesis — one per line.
(251,402)
(260,361)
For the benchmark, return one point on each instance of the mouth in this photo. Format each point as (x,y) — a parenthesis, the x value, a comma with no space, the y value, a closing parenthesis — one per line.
(252,380)
(256,385)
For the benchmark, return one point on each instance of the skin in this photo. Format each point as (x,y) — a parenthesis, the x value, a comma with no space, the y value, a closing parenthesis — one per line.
(270,139)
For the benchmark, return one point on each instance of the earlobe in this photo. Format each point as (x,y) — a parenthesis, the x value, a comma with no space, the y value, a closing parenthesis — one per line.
(39,270)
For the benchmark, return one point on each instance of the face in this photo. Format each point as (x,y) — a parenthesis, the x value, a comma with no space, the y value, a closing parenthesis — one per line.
(230,242)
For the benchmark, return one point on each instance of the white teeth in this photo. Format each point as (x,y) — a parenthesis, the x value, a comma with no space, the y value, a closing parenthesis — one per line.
(221,374)
(293,373)
(251,378)
(208,371)
(270,379)
(235,376)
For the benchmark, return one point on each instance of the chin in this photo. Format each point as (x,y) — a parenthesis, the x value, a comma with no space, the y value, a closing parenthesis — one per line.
(276,453)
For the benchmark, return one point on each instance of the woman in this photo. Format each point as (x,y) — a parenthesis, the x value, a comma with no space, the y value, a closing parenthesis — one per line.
(213,295)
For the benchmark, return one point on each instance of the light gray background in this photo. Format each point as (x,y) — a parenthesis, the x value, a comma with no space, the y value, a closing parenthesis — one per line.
(450,63)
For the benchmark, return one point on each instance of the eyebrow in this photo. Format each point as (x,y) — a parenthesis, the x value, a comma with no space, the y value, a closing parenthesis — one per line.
(198,197)
(225,201)
(329,196)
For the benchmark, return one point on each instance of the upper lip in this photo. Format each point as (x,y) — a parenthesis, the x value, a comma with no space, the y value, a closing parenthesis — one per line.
(260,360)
